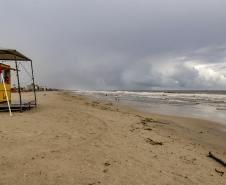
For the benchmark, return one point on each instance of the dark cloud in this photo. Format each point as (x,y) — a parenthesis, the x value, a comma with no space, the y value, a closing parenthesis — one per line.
(120,44)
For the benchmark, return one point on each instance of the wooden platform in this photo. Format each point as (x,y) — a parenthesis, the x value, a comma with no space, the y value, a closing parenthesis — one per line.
(15,106)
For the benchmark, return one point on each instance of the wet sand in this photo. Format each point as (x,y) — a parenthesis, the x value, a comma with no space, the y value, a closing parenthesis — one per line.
(71,139)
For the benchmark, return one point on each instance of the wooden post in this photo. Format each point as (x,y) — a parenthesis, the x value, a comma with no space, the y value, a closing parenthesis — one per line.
(18,82)
(33,83)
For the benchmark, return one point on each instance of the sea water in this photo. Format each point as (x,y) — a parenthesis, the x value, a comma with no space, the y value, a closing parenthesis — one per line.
(208,105)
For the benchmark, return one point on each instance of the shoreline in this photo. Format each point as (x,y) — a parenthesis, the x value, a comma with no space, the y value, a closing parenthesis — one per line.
(73,139)
(203,108)
(179,121)
(133,107)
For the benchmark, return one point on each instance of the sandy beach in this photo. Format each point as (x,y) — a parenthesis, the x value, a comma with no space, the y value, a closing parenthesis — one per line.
(71,139)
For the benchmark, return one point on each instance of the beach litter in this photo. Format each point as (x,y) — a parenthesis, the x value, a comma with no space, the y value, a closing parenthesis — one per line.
(152,142)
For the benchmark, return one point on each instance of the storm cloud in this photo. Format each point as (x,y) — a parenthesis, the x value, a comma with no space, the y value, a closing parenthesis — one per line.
(120,44)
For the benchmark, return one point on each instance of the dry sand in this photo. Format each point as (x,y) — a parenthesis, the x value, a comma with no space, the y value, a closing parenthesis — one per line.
(74,140)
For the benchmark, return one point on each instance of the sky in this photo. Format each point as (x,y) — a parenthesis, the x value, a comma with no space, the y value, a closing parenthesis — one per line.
(120,44)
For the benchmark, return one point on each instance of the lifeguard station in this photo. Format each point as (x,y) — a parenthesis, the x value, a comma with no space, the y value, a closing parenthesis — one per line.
(5,83)
(6,103)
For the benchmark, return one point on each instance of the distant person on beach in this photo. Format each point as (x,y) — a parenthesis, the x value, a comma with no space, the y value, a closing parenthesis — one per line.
(116,98)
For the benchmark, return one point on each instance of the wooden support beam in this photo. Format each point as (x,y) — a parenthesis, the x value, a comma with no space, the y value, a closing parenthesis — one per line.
(33,83)
(18,82)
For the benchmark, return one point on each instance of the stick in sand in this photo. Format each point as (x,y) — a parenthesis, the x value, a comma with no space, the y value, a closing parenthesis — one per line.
(217,159)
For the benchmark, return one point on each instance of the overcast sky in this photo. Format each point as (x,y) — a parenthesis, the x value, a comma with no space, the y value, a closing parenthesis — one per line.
(120,44)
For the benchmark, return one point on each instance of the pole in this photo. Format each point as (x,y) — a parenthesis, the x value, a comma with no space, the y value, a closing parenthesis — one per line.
(18,81)
(6,93)
(33,83)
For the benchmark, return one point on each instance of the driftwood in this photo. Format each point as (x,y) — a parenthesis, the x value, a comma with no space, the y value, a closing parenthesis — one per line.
(217,159)
(152,142)
(145,121)
(220,172)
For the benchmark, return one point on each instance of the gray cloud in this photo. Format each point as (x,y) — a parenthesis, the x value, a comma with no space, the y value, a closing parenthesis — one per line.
(120,44)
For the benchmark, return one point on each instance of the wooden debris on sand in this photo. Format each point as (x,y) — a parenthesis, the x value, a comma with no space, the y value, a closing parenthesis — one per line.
(152,142)
(217,159)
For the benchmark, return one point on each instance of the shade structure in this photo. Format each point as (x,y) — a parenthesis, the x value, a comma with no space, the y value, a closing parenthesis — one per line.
(12,55)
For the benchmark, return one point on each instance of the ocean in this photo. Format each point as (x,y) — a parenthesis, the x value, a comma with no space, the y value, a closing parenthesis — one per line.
(207,105)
